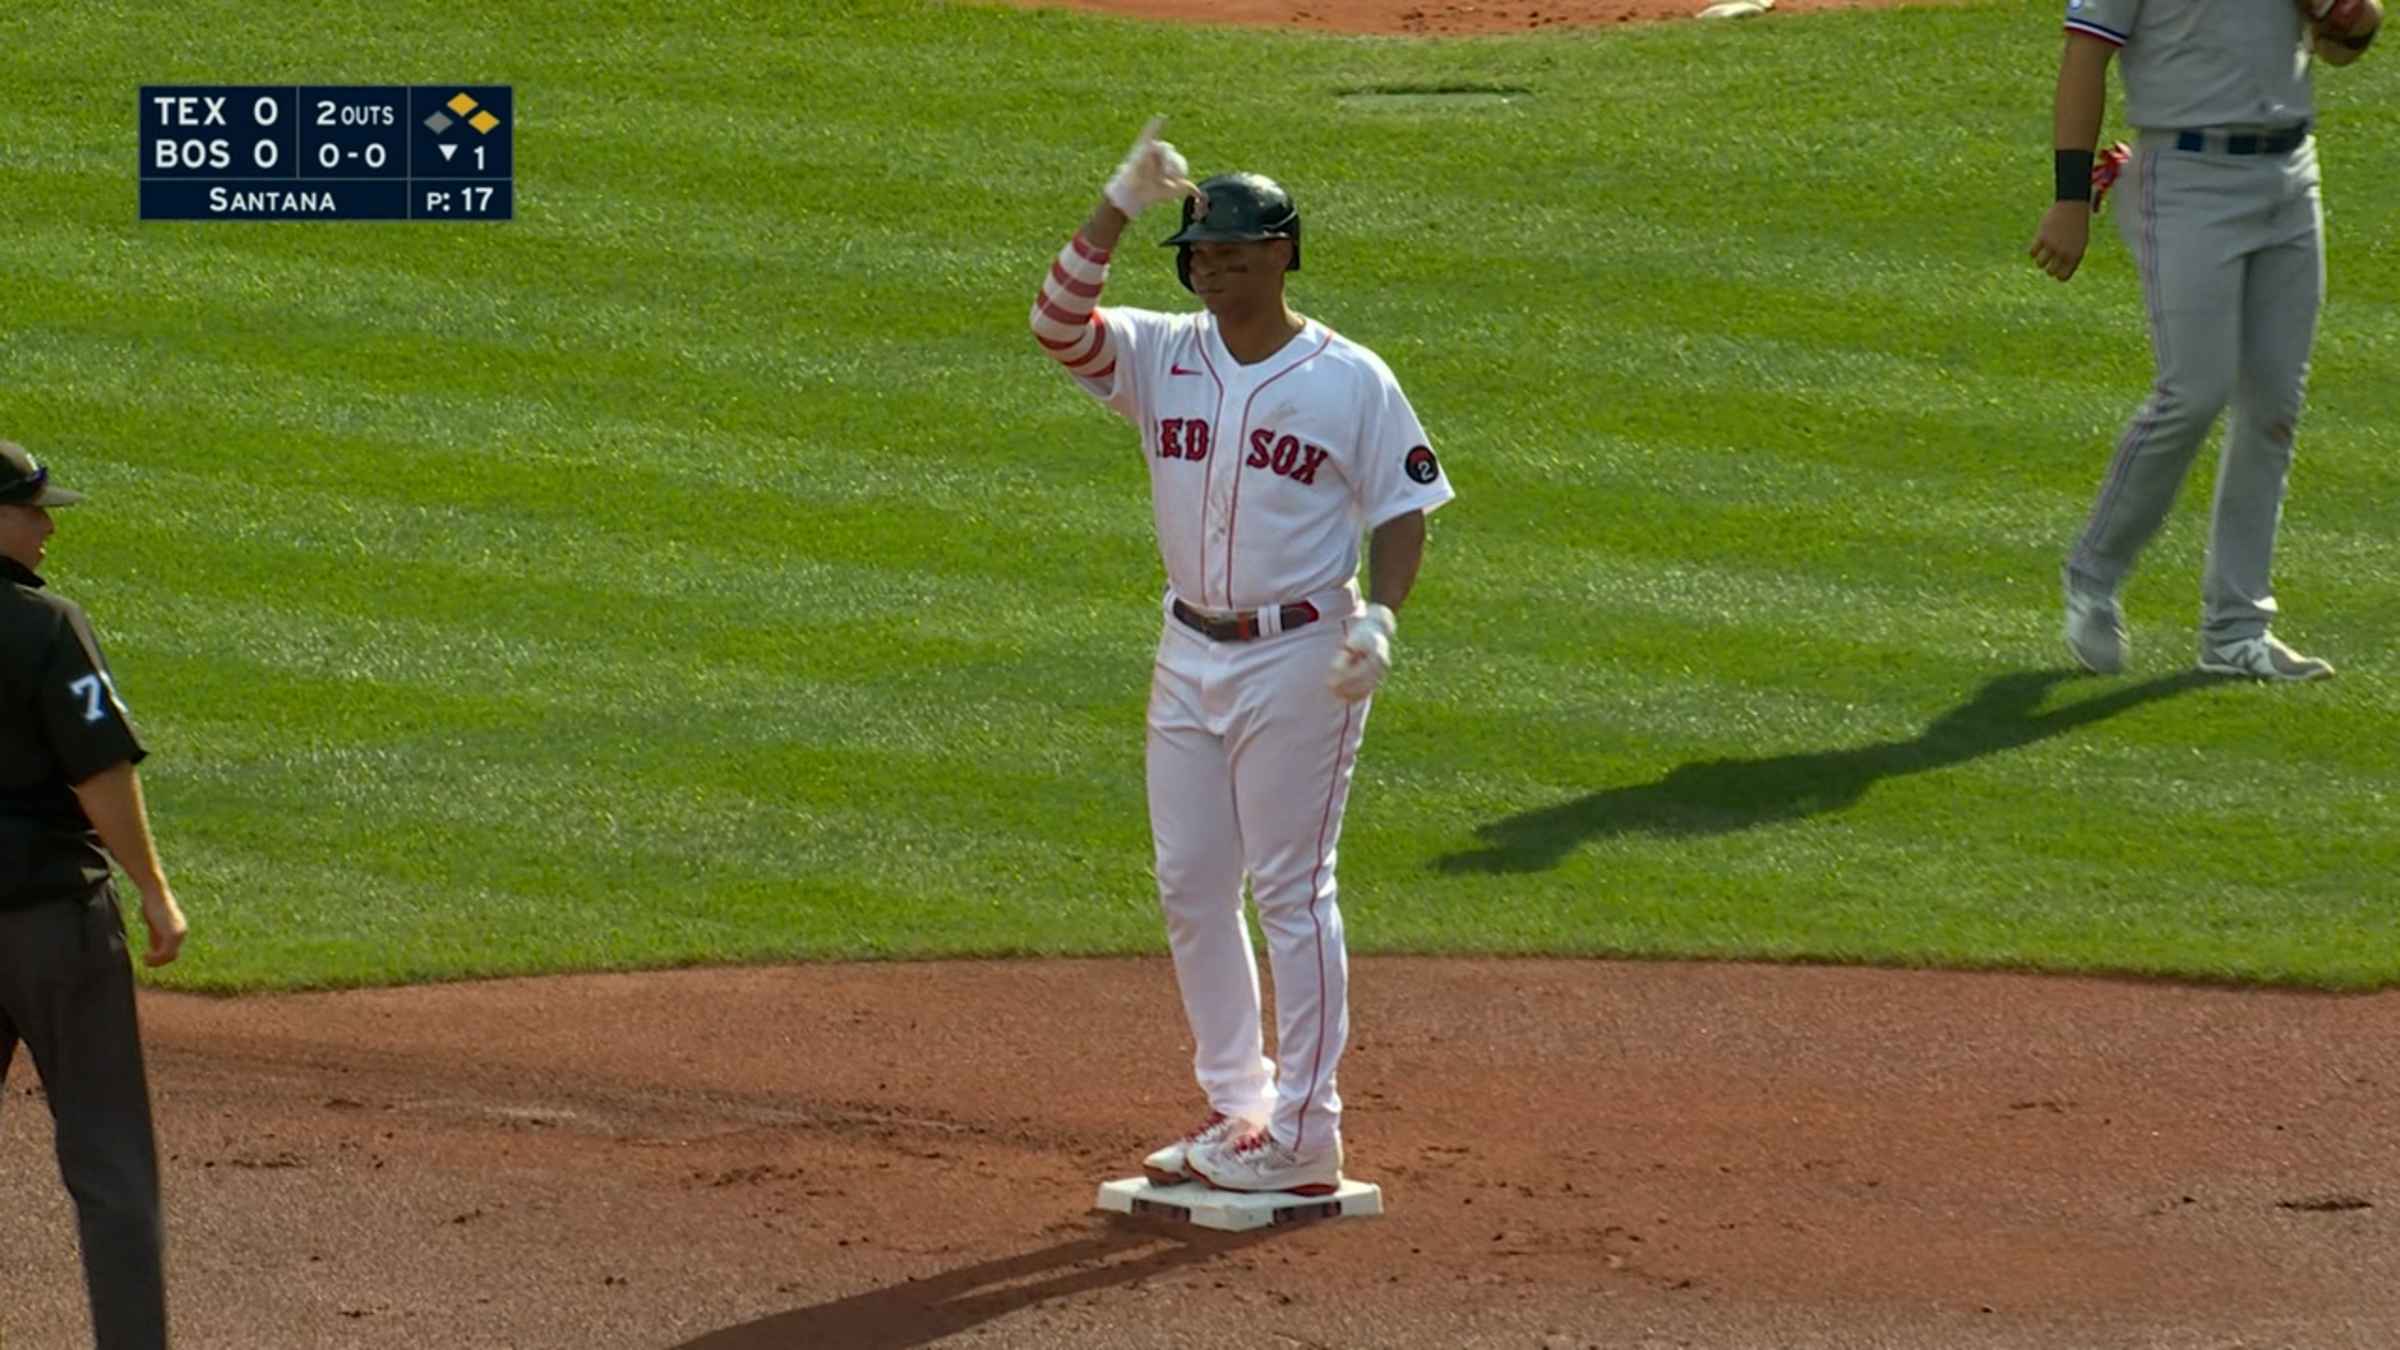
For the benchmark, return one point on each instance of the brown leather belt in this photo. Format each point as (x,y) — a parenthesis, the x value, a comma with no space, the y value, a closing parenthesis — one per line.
(1242,626)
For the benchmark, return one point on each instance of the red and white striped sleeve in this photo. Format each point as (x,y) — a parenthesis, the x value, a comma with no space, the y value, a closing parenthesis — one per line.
(1066,320)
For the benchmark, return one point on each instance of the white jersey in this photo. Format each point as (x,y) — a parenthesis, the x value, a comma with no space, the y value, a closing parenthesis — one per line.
(1262,477)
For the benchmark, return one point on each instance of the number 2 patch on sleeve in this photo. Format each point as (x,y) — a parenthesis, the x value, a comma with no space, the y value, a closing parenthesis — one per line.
(1421,466)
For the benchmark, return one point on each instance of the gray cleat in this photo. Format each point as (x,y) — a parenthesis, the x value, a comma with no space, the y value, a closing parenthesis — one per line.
(2095,631)
(2263,657)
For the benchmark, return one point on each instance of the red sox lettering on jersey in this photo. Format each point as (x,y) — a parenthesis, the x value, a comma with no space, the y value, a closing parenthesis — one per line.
(1327,447)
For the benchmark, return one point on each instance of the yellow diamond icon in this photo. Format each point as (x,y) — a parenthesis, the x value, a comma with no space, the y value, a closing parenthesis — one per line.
(461,104)
(483,122)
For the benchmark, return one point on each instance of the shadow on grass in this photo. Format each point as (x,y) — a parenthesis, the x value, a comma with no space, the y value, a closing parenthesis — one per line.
(1719,796)
(922,1312)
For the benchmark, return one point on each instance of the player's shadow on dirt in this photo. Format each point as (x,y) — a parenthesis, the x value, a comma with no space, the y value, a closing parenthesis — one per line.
(921,1312)
(1719,796)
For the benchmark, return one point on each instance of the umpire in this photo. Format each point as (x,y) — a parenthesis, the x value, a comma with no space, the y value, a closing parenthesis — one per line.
(69,801)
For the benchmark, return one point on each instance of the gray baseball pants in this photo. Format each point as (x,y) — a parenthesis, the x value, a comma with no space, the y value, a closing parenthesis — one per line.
(2231,250)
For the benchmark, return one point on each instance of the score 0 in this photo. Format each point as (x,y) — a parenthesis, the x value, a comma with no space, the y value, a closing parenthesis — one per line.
(214,152)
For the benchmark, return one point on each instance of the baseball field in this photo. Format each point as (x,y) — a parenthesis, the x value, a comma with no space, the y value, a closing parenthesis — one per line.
(704,570)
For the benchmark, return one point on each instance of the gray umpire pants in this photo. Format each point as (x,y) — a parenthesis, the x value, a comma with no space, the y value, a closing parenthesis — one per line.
(66,991)
(2231,250)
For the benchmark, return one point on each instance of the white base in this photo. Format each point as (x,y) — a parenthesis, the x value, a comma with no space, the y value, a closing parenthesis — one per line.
(1236,1211)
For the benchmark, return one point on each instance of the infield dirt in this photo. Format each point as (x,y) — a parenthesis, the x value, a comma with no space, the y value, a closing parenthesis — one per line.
(1575,1154)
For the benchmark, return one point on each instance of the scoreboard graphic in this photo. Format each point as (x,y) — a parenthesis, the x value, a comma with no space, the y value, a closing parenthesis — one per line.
(328,152)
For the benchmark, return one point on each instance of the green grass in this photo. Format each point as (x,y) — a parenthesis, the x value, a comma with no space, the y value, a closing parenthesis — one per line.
(706,567)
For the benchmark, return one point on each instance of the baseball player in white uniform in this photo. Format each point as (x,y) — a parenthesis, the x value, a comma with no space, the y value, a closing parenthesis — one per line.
(1273,444)
(2220,205)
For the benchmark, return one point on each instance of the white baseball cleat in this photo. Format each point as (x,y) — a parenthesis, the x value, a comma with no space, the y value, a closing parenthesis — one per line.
(1257,1162)
(2263,657)
(1169,1166)
(2095,631)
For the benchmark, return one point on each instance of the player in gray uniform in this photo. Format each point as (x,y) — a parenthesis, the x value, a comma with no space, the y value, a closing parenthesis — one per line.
(2220,207)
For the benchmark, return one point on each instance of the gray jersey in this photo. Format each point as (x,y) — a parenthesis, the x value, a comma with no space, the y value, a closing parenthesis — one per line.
(2191,64)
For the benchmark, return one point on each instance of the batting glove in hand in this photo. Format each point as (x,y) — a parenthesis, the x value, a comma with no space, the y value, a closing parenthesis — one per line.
(1366,654)
(1153,172)
(2105,169)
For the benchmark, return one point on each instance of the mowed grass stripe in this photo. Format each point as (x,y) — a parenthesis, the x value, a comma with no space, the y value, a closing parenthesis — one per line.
(704,566)
(1939,513)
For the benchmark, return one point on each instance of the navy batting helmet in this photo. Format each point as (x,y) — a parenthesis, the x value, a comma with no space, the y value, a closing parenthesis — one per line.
(1240,208)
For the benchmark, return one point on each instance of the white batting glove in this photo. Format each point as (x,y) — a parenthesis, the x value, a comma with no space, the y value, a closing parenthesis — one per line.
(1366,654)
(1153,172)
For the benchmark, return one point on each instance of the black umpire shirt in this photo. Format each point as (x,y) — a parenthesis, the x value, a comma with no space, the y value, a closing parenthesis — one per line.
(60,723)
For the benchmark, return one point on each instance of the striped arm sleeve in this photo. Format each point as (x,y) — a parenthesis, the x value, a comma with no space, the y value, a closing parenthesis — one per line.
(1064,319)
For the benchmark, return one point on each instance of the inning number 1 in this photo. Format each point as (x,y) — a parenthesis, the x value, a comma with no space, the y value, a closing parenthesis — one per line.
(90,687)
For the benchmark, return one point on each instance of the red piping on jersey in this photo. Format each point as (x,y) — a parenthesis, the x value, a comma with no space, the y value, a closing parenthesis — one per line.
(1316,896)
(2093,30)
(1208,475)
(1233,512)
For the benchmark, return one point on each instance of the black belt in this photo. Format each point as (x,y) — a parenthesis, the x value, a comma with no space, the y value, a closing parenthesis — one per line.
(2244,142)
(1243,626)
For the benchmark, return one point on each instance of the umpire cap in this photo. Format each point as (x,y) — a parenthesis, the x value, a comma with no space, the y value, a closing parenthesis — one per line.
(26,483)
(1235,208)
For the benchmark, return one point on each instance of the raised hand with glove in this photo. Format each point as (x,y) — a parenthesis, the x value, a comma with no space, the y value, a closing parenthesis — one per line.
(1153,172)
(1063,318)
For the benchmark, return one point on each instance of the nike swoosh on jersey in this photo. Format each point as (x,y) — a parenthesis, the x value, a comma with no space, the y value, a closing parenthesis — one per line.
(1173,369)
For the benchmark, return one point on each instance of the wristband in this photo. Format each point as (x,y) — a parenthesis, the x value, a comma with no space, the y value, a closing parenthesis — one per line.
(2074,175)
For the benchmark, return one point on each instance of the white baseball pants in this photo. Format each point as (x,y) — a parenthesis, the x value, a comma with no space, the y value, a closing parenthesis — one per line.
(1250,758)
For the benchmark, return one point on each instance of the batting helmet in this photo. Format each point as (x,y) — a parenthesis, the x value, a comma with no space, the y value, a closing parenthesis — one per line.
(1235,208)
